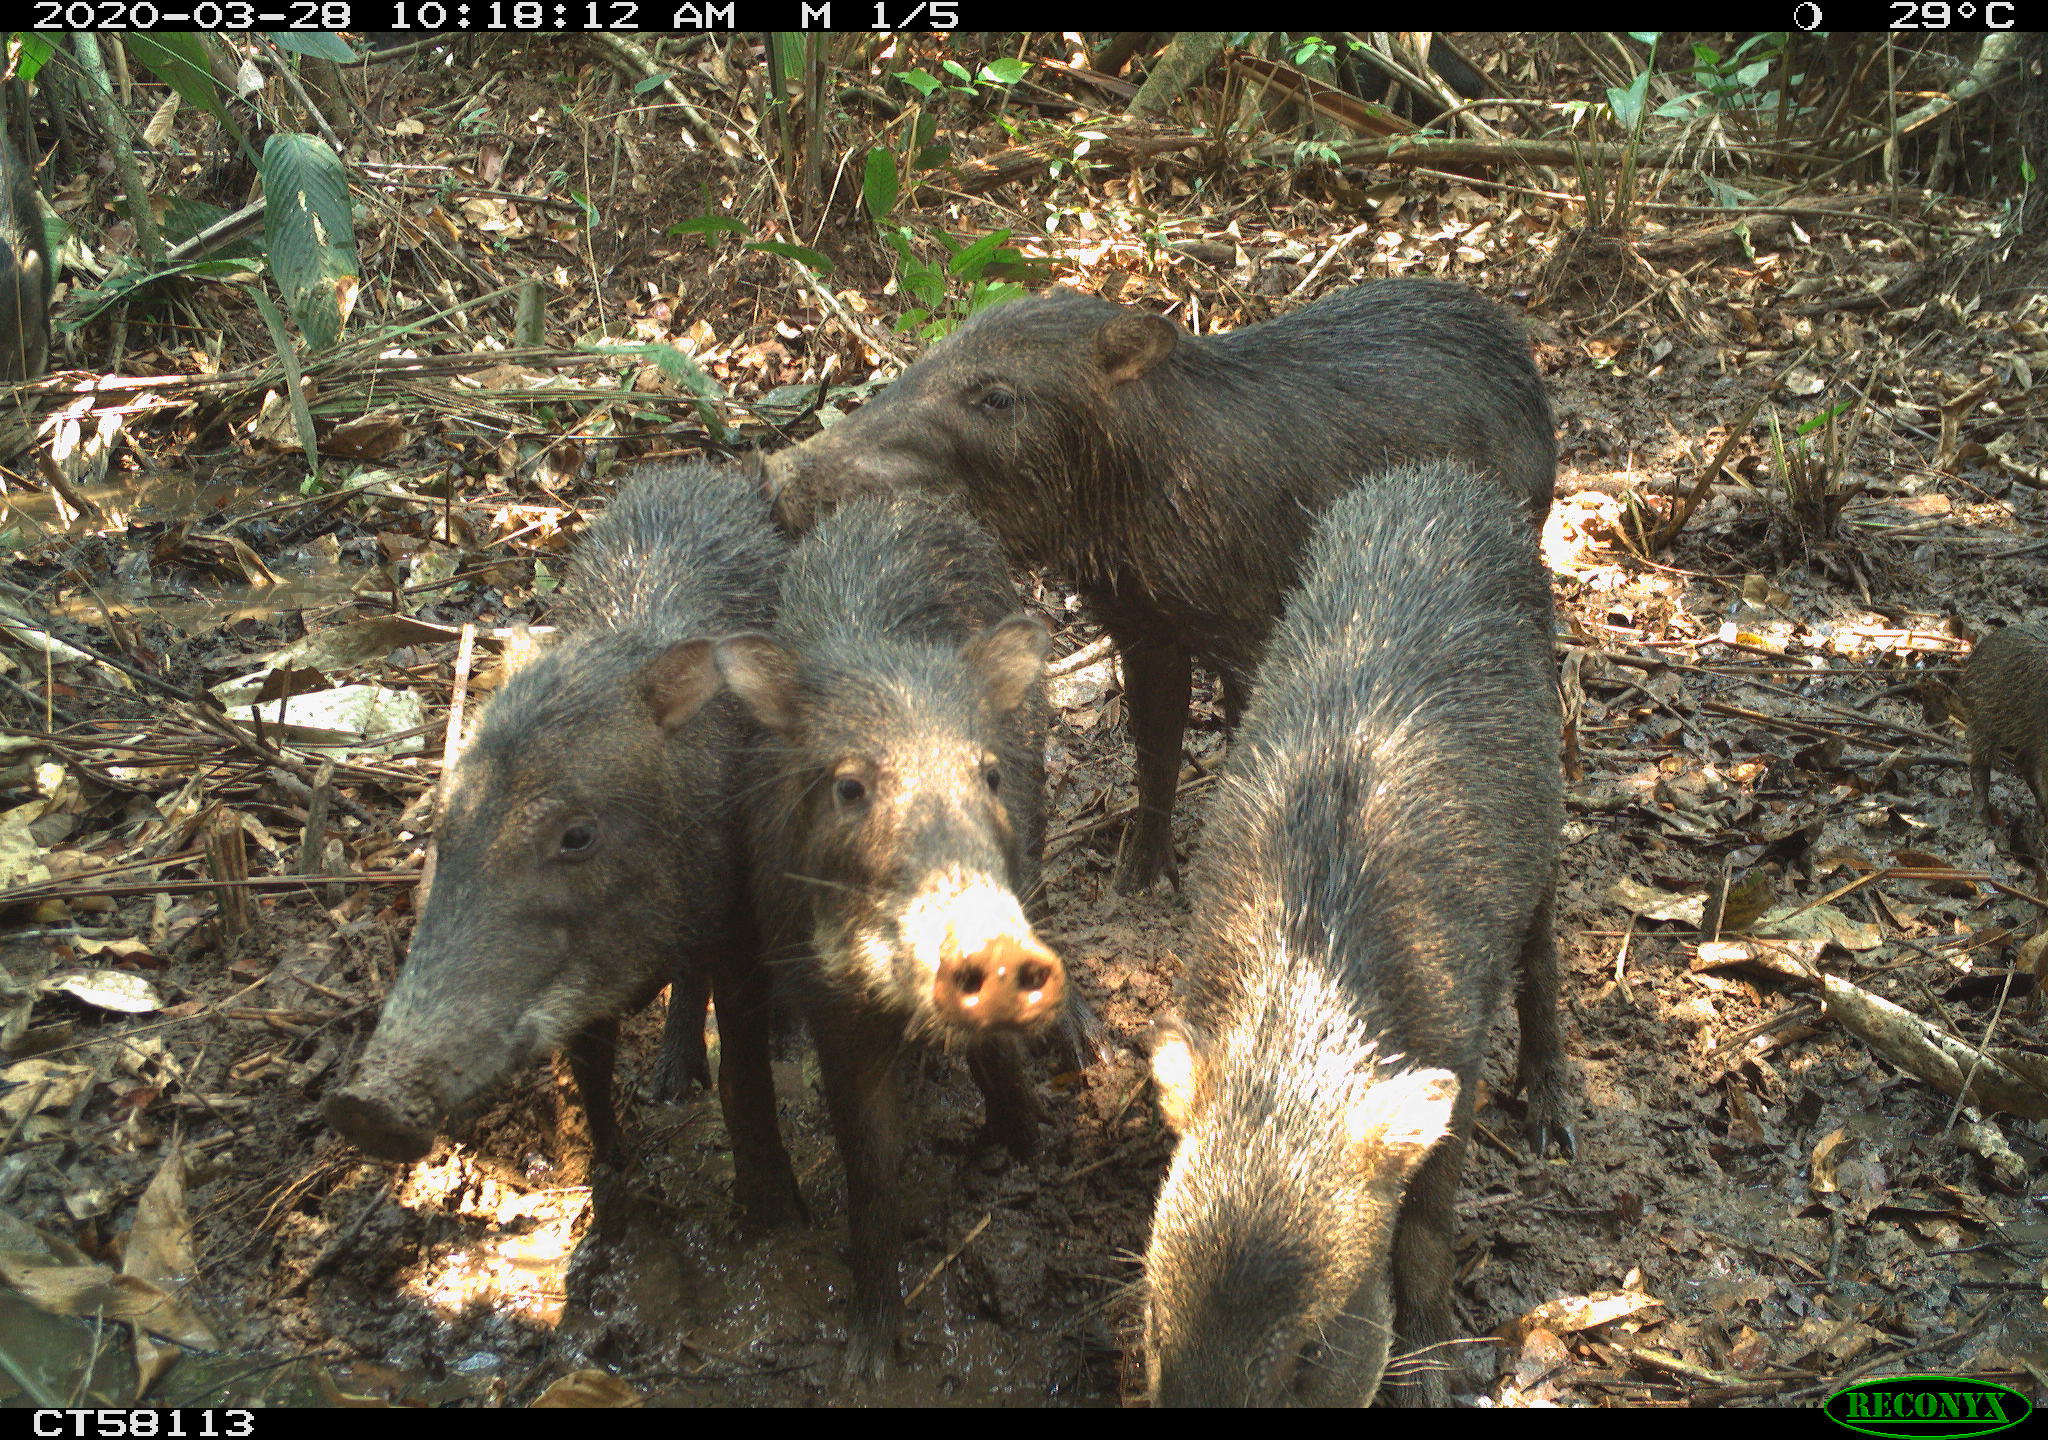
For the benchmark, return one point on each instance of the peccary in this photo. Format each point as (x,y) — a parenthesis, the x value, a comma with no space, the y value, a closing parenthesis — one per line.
(591,850)
(1376,871)
(2005,689)
(895,827)
(1176,479)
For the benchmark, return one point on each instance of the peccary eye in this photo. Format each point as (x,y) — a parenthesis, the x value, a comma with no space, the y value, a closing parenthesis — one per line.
(849,791)
(998,400)
(993,778)
(578,838)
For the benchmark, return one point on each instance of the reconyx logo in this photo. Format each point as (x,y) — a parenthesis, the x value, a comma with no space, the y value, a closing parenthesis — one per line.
(1913,1406)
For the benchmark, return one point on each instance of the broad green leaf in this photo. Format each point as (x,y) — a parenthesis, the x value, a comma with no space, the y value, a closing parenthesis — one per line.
(180,62)
(1628,104)
(35,53)
(879,185)
(1006,71)
(309,234)
(969,262)
(318,44)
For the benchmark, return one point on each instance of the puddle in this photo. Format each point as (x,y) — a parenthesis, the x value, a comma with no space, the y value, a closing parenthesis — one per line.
(145,500)
(225,606)
(55,1361)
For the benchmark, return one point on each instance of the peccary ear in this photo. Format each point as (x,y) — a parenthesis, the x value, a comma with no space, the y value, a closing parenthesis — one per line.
(763,675)
(1133,343)
(1176,1070)
(678,681)
(1396,1122)
(1009,658)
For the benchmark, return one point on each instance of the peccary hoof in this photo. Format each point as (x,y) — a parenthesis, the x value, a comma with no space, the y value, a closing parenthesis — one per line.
(1145,859)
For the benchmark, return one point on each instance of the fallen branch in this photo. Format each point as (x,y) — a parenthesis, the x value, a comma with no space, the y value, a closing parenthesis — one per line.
(1982,1077)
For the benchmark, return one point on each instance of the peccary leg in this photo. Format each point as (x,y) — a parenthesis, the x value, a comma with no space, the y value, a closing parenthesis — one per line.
(591,1052)
(1237,692)
(857,1062)
(1157,686)
(1423,1258)
(1981,757)
(1012,1104)
(683,1057)
(764,1185)
(2034,765)
(1542,1068)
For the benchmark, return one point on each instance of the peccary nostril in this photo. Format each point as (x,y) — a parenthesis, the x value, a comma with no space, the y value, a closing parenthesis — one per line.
(1007,982)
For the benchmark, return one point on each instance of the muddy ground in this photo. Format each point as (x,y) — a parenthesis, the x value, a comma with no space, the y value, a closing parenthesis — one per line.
(1760,1207)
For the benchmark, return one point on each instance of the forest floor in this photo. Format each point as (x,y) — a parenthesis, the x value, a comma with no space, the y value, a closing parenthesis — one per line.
(1761,1207)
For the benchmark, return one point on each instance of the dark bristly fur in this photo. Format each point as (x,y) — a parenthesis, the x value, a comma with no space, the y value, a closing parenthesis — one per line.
(1175,478)
(528,941)
(898,665)
(1376,870)
(2005,689)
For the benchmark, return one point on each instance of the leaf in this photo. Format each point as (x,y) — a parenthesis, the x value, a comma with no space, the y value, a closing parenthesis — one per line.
(880,184)
(1822,922)
(803,255)
(1578,1312)
(1627,105)
(159,1253)
(97,1293)
(179,60)
(310,234)
(121,991)
(970,260)
(1006,71)
(589,1390)
(21,854)
(919,81)
(39,1085)
(1654,904)
(35,52)
(318,44)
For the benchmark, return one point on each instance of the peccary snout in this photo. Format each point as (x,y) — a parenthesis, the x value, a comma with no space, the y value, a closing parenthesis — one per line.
(379,1126)
(1006,982)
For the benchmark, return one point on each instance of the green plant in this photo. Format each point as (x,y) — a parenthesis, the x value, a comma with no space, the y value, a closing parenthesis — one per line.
(309,234)
(995,75)
(1812,465)
(1734,83)
(966,281)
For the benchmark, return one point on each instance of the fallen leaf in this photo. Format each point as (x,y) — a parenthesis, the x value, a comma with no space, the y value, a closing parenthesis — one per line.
(96,1292)
(589,1390)
(1577,1312)
(1822,922)
(1653,904)
(118,990)
(42,1085)
(159,1251)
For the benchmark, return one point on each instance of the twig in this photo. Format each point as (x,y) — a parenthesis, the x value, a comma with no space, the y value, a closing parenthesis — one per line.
(1110,817)
(47,891)
(1081,659)
(979,1226)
